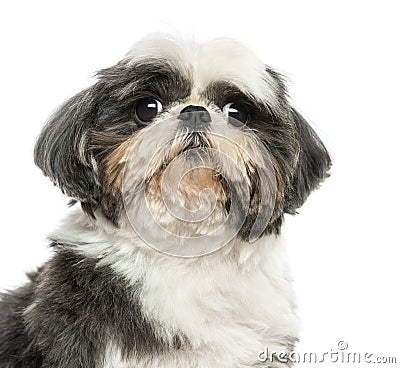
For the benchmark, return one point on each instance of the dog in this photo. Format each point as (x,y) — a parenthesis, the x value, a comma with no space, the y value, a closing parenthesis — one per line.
(184,158)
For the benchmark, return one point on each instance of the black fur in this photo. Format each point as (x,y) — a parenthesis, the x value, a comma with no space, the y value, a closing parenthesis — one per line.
(16,348)
(68,312)
(61,149)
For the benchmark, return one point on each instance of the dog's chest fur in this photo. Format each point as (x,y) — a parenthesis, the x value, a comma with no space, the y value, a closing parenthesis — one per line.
(223,328)
(224,307)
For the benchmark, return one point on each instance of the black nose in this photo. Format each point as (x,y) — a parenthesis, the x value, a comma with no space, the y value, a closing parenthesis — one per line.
(195,115)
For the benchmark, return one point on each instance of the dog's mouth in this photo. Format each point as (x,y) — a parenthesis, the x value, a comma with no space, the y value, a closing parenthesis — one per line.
(194,147)
(196,140)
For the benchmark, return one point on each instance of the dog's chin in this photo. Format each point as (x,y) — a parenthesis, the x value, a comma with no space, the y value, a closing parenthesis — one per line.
(192,206)
(186,201)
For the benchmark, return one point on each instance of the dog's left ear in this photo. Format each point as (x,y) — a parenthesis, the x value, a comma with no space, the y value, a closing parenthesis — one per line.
(312,165)
(61,150)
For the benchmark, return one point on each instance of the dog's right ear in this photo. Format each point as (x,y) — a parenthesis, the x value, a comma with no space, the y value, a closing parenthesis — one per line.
(61,150)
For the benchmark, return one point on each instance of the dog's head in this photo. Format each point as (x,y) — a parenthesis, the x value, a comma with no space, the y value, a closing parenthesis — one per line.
(186,141)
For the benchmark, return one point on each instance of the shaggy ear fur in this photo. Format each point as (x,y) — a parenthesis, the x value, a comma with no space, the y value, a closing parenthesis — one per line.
(312,166)
(61,150)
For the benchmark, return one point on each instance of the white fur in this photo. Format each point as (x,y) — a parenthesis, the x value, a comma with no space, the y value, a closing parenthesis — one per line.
(229,304)
(216,60)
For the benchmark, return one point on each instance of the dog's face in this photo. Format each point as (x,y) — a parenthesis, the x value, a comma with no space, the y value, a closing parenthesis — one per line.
(185,141)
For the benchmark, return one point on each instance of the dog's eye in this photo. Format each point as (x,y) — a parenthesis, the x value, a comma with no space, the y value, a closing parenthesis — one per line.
(147,109)
(235,112)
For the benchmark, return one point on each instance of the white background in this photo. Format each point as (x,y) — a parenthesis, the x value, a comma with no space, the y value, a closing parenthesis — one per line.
(343,63)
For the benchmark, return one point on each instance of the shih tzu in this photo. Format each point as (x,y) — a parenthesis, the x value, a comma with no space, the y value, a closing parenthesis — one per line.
(184,158)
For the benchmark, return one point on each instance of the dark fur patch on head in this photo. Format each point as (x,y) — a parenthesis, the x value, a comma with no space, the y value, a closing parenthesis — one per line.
(74,144)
